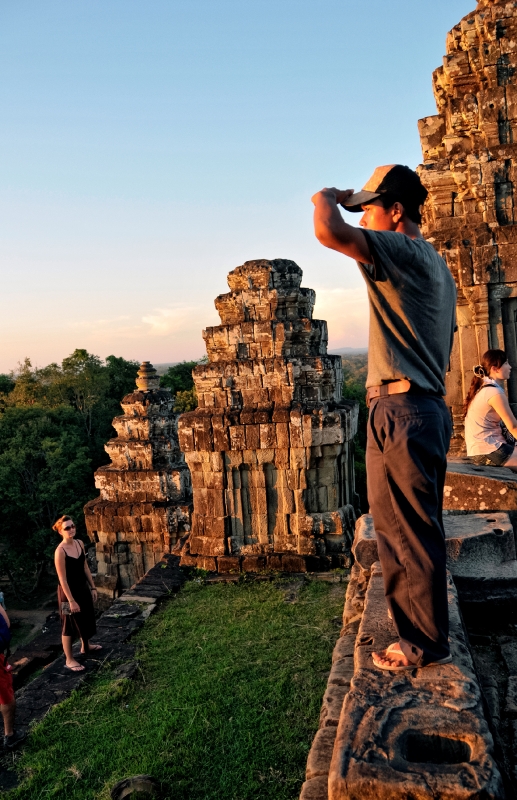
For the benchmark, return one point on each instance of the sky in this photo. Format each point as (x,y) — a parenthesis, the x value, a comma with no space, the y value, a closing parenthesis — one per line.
(148,147)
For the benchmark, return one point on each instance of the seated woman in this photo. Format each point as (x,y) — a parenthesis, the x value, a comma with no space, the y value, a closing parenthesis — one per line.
(486,409)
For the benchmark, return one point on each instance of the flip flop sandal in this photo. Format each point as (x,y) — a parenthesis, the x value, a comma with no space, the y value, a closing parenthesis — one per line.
(94,648)
(393,649)
(78,668)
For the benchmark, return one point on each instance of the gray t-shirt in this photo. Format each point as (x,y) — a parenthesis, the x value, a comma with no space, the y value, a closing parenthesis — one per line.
(412,297)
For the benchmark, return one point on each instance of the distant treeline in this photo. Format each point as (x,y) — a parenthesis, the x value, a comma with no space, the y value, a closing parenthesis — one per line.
(355,368)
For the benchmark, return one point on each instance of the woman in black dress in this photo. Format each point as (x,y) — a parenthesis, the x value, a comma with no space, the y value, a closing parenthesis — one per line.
(76,593)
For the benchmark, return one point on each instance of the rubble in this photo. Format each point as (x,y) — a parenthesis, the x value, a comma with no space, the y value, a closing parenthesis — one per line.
(270,445)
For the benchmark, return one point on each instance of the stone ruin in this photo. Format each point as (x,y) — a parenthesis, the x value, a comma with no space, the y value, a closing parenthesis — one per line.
(470,170)
(270,446)
(145,493)
(269,460)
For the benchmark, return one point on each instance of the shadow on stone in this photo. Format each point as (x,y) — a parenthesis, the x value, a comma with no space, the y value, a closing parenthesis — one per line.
(421,748)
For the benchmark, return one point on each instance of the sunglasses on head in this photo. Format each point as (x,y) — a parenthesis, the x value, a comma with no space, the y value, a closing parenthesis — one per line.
(69,527)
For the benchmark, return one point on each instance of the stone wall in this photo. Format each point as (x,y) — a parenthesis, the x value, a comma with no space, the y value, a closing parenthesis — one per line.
(470,170)
(270,446)
(145,493)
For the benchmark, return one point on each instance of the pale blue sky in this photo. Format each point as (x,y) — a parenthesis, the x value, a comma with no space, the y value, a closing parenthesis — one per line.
(147,147)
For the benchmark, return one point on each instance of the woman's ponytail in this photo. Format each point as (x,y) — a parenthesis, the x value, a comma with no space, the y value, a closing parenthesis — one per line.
(492,359)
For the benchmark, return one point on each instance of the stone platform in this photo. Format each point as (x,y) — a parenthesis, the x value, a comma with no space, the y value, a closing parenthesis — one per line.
(412,735)
(415,734)
(471,488)
(481,554)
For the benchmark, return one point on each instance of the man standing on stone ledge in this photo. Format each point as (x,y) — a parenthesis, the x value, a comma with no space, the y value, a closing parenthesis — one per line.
(412,298)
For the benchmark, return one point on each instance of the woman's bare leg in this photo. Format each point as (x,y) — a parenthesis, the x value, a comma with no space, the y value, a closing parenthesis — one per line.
(70,660)
(512,461)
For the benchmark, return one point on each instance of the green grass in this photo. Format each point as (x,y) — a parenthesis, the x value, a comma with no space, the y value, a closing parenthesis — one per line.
(225,706)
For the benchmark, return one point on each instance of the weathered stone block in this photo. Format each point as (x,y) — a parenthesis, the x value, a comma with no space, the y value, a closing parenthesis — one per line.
(511,696)
(228,564)
(320,755)
(315,789)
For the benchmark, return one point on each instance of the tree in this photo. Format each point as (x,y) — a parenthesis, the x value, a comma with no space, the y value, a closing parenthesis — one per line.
(7,384)
(180,381)
(354,380)
(54,423)
(45,471)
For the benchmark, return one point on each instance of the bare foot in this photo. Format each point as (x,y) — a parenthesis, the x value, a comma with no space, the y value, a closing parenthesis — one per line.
(392,658)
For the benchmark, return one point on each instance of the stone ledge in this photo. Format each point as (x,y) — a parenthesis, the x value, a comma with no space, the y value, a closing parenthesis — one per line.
(274,562)
(471,488)
(480,554)
(420,733)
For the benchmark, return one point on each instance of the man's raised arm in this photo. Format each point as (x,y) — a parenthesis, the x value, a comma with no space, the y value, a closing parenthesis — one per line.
(331,229)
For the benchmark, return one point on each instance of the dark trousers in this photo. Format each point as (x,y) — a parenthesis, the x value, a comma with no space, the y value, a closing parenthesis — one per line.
(408,439)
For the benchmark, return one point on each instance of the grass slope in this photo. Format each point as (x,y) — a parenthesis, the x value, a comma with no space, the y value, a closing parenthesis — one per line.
(225,708)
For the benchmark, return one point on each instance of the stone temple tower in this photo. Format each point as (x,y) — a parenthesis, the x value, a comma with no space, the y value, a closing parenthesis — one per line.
(270,445)
(470,170)
(145,493)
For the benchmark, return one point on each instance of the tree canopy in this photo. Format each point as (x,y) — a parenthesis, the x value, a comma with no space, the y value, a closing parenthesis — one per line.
(54,423)
(180,381)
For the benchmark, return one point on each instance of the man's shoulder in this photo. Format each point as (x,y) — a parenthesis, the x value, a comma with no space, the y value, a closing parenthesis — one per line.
(396,251)
(400,244)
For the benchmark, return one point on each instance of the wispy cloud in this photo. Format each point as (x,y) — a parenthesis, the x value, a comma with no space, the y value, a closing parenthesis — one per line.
(178,319)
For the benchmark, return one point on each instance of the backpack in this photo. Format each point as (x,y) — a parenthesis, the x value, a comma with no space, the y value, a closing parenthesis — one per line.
(5,636)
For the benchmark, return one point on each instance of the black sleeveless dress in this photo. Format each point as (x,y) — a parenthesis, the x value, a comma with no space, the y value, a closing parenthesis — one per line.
(82,623)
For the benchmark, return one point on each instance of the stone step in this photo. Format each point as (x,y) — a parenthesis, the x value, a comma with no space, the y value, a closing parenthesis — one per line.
(481,554)
(414,734)
(471,488)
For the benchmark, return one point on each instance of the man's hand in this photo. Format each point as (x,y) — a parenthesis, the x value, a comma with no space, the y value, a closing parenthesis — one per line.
(340,195)
(331,229)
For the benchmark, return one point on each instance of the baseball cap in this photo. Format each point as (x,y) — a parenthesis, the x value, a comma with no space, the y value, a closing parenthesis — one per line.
(400,182)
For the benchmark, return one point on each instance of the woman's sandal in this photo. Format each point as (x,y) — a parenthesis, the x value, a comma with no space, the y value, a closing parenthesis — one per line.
(91,649)
(75,668)
(394,650)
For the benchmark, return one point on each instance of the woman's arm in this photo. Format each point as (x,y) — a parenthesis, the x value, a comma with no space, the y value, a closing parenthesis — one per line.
(3,612)
(59,561)
(499,402)
(87,572)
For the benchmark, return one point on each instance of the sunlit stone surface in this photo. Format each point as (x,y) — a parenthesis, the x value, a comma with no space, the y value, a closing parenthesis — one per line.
(270,446)
(145,493)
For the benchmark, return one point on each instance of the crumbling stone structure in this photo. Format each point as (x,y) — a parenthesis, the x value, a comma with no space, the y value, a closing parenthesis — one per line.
(270,445)
(145,500)
(470,170)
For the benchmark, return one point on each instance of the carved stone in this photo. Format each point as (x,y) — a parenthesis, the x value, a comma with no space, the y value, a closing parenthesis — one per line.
(418,734)
(469,168)
(270,446)
(145,493)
